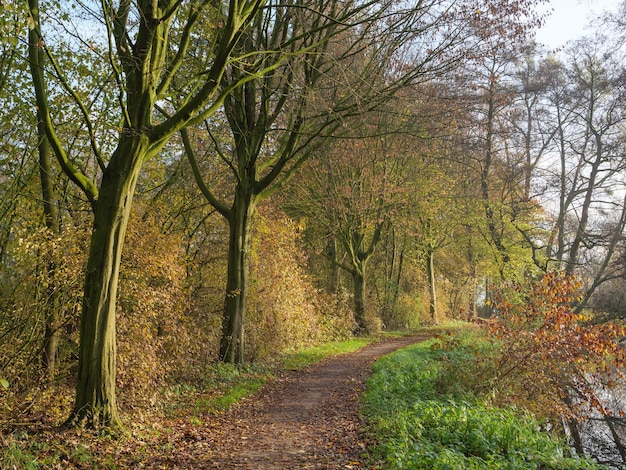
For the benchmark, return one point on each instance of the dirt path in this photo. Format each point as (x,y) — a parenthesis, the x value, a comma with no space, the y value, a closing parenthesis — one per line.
(305,419)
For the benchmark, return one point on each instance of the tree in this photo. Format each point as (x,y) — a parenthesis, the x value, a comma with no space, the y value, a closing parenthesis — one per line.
(437,220)
(142,60)
(14,154)
(48,198)
(351,190)
(336,66)
(558,358)
(492,97)
(585,98)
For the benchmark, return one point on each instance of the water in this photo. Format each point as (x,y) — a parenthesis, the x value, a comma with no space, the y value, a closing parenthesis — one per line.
(602,436)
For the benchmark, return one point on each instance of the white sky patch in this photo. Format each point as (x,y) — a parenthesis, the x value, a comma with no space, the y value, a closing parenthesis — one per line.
(570,20)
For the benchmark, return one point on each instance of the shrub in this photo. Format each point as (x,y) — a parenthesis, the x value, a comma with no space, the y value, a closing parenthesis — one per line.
(41,274)
(285,309)
(547,353)
(155,332)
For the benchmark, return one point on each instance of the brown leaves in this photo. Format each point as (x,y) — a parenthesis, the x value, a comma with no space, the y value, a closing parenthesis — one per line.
(554,353)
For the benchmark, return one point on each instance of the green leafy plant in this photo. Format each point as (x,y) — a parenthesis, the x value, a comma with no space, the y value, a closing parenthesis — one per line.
(417,423)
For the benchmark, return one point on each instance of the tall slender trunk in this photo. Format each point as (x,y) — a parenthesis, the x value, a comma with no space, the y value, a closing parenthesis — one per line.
(502,257)
(51,336)
(393,274)
(473,308)
(331,253)
(398,279)
(581,232)
(232,345)
(616,436)
(575,436)
(358,280)
(36,56)
(95,403)
(430,267)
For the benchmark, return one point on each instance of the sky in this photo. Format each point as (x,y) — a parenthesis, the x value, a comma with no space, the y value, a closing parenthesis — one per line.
(569,19)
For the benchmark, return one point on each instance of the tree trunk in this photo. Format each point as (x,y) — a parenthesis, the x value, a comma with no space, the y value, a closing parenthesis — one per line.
(581,232)
(393,273)
(430,267)
(331,253)
(616,437)
(95,403)
(51,341)
(577,441)
(51,336)
(473,308)
(232,345)
(501,256)
(358,279)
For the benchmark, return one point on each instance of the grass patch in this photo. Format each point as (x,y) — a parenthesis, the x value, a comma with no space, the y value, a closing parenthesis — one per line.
(13,456)
(306,356)
(422,419)
(232,394)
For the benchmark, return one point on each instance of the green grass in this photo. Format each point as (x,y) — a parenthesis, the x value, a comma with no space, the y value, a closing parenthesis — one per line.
(232,393)
(15,457)
(420,419)
(306,356)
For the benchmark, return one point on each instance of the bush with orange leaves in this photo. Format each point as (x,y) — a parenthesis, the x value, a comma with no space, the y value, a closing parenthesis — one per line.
(550,359)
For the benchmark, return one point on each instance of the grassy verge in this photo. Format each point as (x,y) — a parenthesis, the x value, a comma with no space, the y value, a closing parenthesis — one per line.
(421,419)
(306,356)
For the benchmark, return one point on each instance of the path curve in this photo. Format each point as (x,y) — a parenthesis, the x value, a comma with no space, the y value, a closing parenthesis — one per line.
(306,419)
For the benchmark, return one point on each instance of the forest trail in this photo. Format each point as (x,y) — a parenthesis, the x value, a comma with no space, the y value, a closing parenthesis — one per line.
(305,419)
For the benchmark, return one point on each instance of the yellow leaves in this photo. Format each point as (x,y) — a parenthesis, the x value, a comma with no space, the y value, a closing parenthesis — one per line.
(153,322)
(31,23)
(285,309)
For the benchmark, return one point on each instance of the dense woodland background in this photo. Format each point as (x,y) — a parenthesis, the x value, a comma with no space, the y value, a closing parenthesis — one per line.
(356,167)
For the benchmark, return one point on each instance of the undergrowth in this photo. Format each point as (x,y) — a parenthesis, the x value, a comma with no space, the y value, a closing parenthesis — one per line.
(423,417)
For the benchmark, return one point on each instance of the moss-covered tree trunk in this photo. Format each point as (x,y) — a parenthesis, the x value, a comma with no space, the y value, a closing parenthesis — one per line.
(232,346)
(95,403)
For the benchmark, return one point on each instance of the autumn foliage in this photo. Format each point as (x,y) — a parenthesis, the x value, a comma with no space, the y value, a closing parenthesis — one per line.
(155,328)
(551,360)
(286,311)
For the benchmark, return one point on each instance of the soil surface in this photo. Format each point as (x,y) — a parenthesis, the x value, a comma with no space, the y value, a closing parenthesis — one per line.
(306,419)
